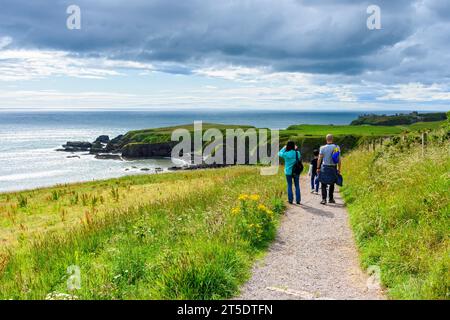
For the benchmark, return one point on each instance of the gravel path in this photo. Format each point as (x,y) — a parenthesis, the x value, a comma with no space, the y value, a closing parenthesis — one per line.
(313,256)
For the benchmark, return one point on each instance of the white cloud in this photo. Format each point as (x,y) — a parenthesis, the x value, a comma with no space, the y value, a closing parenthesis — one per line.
(5,41)
(417,92)
(248,87)
(34,64)
(282,85)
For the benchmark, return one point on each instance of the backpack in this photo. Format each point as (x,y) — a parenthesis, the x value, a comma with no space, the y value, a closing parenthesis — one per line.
(335,154)
(298,166)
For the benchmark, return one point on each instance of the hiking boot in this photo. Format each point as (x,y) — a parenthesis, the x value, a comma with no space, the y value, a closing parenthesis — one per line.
(331,201)
(323,202)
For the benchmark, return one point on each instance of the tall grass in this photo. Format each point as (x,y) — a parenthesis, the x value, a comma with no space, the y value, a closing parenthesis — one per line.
(187,242)
(399,205)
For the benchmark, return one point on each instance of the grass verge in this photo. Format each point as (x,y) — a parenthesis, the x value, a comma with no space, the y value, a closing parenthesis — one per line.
(194,237)
(399,208)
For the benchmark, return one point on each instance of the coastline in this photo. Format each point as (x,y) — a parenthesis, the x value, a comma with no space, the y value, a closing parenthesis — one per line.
(28,160)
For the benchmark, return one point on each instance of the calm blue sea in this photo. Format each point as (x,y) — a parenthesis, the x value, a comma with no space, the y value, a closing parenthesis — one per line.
(28,140)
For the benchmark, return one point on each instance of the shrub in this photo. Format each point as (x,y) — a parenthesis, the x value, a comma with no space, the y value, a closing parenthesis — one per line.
(22,201)
(255,222)
(55,195)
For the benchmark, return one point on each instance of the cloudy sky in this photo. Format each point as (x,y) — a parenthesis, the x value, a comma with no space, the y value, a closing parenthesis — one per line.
(278,54)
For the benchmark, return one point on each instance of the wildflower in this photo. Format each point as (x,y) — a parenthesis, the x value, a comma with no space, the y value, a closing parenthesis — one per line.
(265,209)
(236,210)
(243,197)
(262,207)
(254,197)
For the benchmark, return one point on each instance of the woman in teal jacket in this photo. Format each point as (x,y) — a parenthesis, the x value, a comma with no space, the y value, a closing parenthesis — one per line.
(288,153)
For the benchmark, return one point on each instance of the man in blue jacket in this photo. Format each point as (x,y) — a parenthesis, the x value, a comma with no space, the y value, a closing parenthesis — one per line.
(329,165)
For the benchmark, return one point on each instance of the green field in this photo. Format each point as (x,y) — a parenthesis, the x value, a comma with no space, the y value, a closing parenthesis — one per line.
(398,119)
(363,130)
(400,212)
(158,135)
(186,235)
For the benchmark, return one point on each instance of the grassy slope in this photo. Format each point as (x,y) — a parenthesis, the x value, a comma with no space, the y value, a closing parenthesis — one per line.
(158,135)
(166,236)
(400,212)
(363,130)
(399,119)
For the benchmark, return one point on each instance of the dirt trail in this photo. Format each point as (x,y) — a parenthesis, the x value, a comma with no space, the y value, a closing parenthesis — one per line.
(313,256)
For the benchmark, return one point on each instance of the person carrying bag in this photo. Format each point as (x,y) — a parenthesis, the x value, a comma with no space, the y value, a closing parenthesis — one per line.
(293,167)
(329,167)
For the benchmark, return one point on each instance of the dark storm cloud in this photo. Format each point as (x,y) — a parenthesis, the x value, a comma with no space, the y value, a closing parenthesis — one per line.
(320,36)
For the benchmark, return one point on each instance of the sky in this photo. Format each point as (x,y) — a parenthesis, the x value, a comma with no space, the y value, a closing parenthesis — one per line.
(228,54)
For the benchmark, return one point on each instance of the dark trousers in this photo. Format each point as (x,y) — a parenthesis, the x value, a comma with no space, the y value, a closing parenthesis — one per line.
(289,179)
(314,181)
(330,191)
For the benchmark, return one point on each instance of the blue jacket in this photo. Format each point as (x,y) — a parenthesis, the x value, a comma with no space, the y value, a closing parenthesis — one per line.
(289,159)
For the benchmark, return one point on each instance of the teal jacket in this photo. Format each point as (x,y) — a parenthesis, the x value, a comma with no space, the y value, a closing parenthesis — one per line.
(289,159)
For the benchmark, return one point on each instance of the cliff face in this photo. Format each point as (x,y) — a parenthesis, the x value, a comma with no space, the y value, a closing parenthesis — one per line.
(153,143)
(121,147)
(147,150)
(140,150)
(306,145)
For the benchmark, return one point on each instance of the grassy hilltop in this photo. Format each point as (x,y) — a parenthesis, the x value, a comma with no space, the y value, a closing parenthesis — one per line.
(307,137)
(399,119)
(158,135)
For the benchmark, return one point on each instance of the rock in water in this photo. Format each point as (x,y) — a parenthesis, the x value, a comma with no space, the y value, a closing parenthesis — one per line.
(114,144)
(108,156)
(76,146)
(102,139)
(97,147)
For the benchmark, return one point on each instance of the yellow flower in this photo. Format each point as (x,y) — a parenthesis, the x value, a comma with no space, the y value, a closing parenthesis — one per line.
(254,197)
(236,210)
(243,197)
(262,207)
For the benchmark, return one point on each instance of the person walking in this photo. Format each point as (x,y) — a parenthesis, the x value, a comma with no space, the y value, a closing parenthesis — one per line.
(291,157)
(329,165)
(313,172)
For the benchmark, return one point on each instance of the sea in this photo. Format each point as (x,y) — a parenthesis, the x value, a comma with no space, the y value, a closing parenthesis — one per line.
(28,140)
